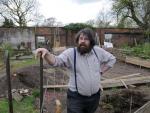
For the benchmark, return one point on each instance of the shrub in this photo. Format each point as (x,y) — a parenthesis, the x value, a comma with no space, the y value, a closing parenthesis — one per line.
(7,46)
(141,50)
(77,26)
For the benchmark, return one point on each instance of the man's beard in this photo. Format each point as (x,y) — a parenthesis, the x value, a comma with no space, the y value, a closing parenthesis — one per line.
(83,49)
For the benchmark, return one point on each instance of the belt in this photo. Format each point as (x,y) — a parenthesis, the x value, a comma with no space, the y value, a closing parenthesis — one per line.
(75,94)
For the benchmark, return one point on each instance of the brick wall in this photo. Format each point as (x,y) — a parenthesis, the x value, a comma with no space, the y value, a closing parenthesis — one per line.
(61,37)
(121,36)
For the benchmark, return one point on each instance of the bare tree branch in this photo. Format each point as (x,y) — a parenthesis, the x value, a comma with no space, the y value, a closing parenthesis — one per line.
(19,10)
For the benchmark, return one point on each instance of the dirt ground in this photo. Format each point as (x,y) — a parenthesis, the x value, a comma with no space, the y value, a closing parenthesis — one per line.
(122,68)
(29,78)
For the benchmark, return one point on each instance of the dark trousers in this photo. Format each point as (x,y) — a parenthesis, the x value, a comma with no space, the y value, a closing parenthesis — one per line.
(77,103)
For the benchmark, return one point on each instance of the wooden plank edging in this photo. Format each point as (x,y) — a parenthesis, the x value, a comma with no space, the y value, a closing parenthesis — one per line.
(138,61)
(130,81)
(113,82)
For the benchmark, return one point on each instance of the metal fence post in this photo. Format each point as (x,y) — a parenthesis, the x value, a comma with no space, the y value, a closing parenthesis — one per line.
(9,81)
(41,84)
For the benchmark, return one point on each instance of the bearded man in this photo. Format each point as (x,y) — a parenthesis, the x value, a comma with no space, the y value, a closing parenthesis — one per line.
(86,63)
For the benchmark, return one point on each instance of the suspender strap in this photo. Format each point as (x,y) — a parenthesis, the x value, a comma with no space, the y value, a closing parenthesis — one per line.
(95,53)
(75,69)
(97,58)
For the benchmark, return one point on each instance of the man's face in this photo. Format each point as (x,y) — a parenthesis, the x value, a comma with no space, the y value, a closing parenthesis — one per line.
(83,44)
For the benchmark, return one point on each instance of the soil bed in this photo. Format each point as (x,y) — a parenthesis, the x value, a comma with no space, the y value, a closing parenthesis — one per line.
(114,100)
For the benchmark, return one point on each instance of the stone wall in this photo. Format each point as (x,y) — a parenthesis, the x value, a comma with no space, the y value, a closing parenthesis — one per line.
(19,38)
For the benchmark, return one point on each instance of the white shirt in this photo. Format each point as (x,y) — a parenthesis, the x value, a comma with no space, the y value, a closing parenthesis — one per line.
(87,68)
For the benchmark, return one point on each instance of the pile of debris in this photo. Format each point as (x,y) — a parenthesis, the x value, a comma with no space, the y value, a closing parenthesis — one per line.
(18,94)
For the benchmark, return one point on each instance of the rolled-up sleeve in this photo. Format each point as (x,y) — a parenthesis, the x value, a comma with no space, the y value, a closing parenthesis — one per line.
(106,57)
(63,59)
(111,62)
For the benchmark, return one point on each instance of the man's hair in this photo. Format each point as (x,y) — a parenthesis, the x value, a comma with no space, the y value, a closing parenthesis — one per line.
(89,33)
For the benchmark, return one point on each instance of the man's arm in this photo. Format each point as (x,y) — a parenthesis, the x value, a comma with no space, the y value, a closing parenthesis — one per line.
(60,60)
(46,55)
(108,60)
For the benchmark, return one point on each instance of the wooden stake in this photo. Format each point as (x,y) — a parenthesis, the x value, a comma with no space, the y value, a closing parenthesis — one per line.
(58,106)
(124,83)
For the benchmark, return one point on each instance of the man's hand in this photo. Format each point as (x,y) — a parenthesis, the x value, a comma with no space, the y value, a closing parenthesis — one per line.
(41,51)
(104,68)
(50,58)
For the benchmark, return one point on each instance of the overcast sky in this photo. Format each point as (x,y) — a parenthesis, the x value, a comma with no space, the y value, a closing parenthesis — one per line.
(72,11)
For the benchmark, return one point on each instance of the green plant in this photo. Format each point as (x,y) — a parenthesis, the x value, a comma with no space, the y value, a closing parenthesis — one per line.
(3,106)
(24,106)
(7,46)
(8,23)
(141,50)
(36,93)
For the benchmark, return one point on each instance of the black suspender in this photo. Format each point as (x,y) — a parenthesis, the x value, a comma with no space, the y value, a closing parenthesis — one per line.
(75,67)
(95,53)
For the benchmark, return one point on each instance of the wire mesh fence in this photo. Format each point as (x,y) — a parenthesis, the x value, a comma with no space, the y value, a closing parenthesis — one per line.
(25,84)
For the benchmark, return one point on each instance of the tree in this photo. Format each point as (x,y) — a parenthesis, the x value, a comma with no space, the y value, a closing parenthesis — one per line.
(51,22)
(126,23)
(91,22)
(103,19)
(8,23)
(136,10)
(20,11)
(38,19)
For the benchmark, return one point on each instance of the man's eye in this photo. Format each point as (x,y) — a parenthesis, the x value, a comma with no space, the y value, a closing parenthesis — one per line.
(83,38)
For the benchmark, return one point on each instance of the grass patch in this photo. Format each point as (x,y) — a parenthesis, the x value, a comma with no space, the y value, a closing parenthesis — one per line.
(3,106)
(16,64)
(142,50)
(25,106)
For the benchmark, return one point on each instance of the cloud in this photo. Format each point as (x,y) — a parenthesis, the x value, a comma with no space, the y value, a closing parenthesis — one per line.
(67,11)
(85,1)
